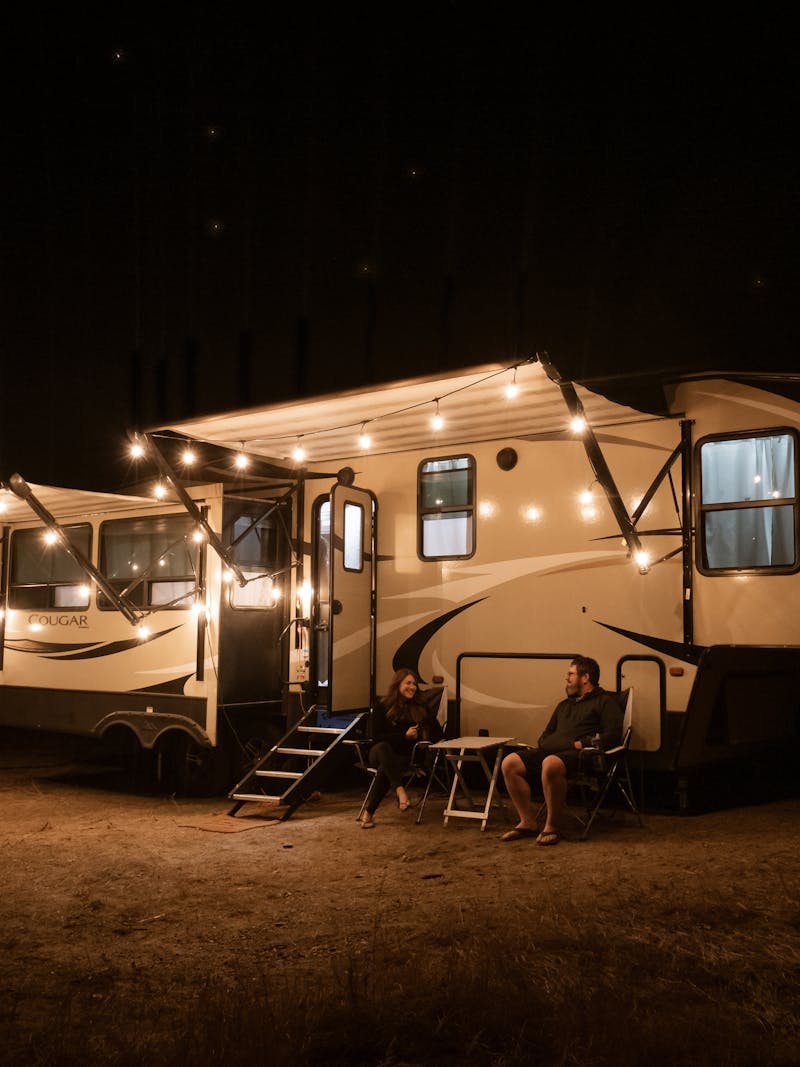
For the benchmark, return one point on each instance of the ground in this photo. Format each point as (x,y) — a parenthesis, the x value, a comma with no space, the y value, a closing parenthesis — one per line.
(134,931)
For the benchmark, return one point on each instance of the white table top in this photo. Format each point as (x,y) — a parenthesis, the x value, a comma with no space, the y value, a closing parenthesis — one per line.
(472,742)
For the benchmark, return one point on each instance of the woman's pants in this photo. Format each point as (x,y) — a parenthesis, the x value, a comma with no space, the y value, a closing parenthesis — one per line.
(390,766)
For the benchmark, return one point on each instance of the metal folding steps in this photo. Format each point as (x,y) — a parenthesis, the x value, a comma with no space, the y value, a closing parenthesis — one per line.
(299,764)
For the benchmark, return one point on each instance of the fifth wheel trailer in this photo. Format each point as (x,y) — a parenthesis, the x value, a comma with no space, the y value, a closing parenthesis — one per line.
(536,518)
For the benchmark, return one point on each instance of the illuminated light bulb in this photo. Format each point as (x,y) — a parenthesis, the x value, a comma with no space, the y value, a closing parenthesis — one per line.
(586,497)
(227,576)
(198,536)
(50,537)
(532,513)
(160,491)
(512,389)
(274,594)
(437,422)
(142,632)
(241,462)
(642,559)
(188,457)
(299,453)
(757,479)
(578,424)
(161,563)
(84,591)
(776,493)
(364,439)
(137,451)
(199,608)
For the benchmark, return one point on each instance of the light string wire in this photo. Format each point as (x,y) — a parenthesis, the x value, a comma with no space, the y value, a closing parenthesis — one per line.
(358,423)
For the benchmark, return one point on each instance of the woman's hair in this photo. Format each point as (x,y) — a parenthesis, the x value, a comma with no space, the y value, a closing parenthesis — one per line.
(397,706)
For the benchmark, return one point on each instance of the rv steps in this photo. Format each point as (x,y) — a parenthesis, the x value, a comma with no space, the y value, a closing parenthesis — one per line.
(300,762)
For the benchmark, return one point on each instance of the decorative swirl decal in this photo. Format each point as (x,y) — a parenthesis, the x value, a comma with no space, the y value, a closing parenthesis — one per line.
(52,650)
(675,649)
(408,654)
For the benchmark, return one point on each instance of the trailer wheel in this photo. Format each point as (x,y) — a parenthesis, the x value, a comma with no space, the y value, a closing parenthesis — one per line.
(187,768)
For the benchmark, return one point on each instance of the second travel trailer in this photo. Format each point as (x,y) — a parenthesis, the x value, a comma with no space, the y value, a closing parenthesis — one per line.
(484,526)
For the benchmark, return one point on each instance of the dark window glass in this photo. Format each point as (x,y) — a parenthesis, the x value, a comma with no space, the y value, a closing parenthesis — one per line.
(44,575)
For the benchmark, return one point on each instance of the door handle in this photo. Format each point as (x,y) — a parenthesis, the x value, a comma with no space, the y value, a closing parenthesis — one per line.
(337,607)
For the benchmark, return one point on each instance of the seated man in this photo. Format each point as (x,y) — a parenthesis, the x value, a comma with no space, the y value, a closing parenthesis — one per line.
(587,711)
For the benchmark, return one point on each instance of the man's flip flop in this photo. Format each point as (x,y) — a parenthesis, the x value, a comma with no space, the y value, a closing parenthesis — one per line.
(518,833)
(548,837)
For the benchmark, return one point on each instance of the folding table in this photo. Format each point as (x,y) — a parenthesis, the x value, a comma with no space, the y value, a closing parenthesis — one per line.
(461,750)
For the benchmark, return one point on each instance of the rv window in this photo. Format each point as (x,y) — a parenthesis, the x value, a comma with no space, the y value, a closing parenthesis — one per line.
(353,537)
(153,557)
(45,575)
(446,499)
(252,539)
(748,503)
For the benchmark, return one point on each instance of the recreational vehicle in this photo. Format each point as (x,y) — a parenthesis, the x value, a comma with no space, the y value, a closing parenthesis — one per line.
(480,528)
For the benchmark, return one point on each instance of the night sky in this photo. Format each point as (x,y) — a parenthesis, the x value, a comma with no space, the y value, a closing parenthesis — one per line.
(218,212)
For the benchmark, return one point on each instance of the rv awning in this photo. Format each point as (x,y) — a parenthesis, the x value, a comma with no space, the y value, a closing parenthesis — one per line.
(397,416)
(68,505)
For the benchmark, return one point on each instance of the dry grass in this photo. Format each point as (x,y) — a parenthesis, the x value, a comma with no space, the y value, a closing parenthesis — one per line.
(567,992)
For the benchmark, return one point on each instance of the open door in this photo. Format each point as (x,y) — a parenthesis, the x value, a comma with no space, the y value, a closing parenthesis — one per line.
(343,653)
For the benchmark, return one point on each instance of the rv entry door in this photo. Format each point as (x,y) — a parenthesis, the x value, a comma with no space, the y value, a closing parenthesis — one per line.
(343,655)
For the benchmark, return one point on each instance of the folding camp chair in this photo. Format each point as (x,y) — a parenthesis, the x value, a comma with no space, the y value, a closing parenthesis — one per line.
(420,767)
(602,773)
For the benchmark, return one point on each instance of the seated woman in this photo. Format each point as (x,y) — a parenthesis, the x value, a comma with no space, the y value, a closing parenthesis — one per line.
(401,719)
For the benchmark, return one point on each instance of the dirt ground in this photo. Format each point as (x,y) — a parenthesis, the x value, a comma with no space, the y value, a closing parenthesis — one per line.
(133,930)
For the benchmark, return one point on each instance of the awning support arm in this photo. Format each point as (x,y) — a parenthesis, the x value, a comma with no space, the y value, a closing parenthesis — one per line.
(596,458)
(20,487)
(150,450)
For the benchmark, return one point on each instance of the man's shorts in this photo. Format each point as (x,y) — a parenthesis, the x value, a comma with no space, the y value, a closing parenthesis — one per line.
(534,757)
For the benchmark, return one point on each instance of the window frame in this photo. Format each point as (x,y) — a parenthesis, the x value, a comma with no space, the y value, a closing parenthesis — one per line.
(146,603)
(49,586)
(230,542)
(362,526)
(444,509)
(701,509)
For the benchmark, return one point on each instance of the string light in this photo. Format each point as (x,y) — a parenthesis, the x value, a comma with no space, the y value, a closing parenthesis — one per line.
(242,461)
(364,439)
(188,457)
(512,389)
(299,453)
(160,491)
(437,422)
(137,451)
(50,537)
(642,559)
(198,536)
(142,632)
(578,424)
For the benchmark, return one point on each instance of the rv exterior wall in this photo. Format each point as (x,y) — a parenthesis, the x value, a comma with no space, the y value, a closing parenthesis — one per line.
(550,573)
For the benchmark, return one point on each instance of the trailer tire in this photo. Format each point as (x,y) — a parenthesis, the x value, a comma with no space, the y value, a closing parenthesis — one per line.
(188,768)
